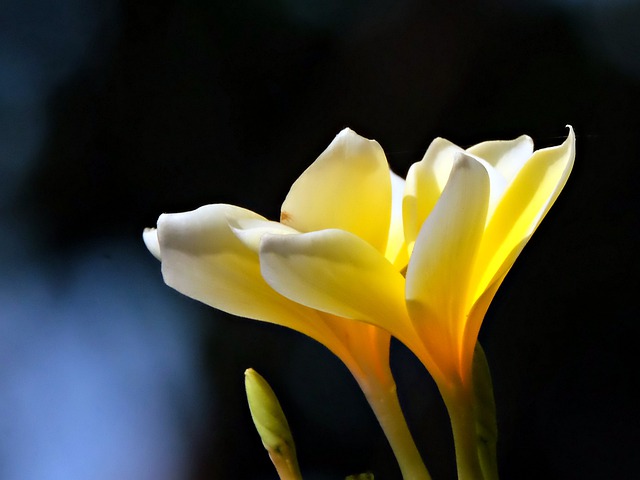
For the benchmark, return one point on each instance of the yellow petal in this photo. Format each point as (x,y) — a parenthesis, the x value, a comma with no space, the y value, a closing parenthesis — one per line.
(426,180)
(336,272)
(481,305)
(507,156)
(396,251)
(203,259)
(522,207)
(347,187)
(439,270)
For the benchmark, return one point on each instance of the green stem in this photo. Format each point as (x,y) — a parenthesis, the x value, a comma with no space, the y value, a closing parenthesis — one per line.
(286,467)
(459,403)
(485,414)
(386,406)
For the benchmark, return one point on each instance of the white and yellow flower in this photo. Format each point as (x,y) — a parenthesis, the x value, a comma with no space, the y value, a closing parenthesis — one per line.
(420,259)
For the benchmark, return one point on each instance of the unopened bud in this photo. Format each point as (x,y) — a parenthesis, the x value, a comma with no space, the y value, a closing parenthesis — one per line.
(272,425)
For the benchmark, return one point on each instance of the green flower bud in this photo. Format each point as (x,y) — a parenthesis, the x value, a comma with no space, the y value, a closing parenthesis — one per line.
(272,425)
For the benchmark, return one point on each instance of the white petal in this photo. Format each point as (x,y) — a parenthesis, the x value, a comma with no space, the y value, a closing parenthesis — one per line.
(250,231)
(507,156)
(150,238)
(203,259)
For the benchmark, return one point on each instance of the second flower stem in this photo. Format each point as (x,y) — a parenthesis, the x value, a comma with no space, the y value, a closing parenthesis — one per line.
(386,406)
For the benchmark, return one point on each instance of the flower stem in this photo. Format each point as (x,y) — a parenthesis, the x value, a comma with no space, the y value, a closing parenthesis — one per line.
(386,406)
(459,403)
(485,414)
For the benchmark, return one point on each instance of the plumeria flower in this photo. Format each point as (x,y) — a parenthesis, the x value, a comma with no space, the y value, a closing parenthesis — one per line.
(214,254)
(420,259)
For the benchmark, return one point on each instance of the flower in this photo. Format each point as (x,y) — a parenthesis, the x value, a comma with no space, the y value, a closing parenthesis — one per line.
(213,254)
(359,252)
(466,215)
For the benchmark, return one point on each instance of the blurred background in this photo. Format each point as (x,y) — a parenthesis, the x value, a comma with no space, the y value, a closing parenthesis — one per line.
(112,112)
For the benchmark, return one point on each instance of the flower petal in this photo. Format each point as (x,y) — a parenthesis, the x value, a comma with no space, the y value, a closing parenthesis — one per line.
(507,156)
(250,231)
(203,259)
(347,187)
(336,272)
(396,251)
(439,270)
(426,180)
(482,303)
(150,237)
(523,206)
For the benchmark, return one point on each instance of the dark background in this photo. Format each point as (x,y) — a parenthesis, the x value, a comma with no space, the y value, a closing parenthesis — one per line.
(114,112)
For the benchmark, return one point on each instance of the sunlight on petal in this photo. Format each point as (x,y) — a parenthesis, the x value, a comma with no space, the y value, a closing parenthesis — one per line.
(336,272)
(497,186)
(396,251)
(426,180)
(347,187)
(482,302)
(507,156)
(438,273)
(523,206)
